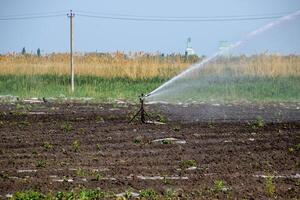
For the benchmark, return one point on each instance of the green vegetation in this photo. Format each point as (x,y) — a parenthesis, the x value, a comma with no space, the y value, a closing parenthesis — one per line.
(187,164)
(32,195)
(295,148)
(137,140)
(166,141)
(225,88)
(66,127)
(258,123)
(80,172)
(247,88)
(177,128)
(47,146)
(76,146)
(41,164)
(101,89)
(270,186)
(219,186)
(149,194)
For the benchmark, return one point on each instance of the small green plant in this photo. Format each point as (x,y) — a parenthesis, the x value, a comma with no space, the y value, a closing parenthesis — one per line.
(258,123)
(177,128)
(166,142)
(162,118)
(187,164)
(169,194)
(291,150)
(166,181)
(128,194)
(137,141)
(65,179)
(98,147)
(86,194)
(98,177)
(270,186)
(41,164)
(99,119)
(76,146)
(148,194)
(30,195)
(47,146)
(295,148)
(80,172)
(219,186)
(66,127)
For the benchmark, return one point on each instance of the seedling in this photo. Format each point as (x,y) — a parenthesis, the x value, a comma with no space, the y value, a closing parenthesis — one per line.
(136,141)
(41,164)
(169,193)
(258,123)
(177,128)
(98,147)
(220,186)
(28,195)
(148,194)
(128,194)
(66,127)
(166,181)
(91,194)
(269,186)
(99,119)
(187,164)
(166,142)
(162,118)
(47,146)
(296,148)
(80,172)
(98,177)
(76,146)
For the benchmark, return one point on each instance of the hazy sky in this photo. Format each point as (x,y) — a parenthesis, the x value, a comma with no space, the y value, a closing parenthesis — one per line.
(103,35)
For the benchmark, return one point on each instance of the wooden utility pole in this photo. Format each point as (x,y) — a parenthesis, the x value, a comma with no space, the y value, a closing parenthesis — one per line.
(71,15)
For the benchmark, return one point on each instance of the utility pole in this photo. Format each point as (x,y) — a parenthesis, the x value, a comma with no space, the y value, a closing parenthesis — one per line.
(71,15)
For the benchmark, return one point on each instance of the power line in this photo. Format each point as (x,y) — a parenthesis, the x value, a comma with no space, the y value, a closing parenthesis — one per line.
(30,17)
(126,17)
(179,19)
(34,14)
(182,17)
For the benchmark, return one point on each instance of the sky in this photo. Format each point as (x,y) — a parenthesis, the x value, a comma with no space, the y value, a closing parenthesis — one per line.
(106,35)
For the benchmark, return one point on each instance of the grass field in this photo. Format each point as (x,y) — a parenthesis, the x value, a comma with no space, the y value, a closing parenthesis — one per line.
(106,77)
(101,89)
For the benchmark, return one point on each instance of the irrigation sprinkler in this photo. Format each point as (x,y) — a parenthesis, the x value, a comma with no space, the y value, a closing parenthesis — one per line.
(141,111)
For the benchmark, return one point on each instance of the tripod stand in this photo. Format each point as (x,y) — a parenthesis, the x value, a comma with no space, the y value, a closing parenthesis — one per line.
(141,111)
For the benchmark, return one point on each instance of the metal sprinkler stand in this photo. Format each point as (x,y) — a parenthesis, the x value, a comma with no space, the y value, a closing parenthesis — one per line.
(141,111)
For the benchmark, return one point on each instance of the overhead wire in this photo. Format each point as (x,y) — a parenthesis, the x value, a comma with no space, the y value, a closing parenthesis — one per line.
(177,19)
(126,17)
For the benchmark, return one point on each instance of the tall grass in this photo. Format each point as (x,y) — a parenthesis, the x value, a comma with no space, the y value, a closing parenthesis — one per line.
(142,65)
(103,89)
(119,76)
(134,66)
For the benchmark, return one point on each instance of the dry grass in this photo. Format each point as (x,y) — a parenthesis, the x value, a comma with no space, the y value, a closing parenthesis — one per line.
(141,65)
(258,65)
(102,65)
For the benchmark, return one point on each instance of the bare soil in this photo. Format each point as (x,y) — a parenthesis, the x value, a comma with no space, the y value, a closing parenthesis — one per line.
(38,150)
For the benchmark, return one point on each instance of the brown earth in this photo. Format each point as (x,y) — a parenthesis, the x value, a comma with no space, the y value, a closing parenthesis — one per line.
(41,136)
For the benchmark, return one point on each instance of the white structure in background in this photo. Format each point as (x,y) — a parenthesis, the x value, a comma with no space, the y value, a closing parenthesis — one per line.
(189,50)
(224,48)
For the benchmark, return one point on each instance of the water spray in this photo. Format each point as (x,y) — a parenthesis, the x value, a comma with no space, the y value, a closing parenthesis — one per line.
(141,111)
